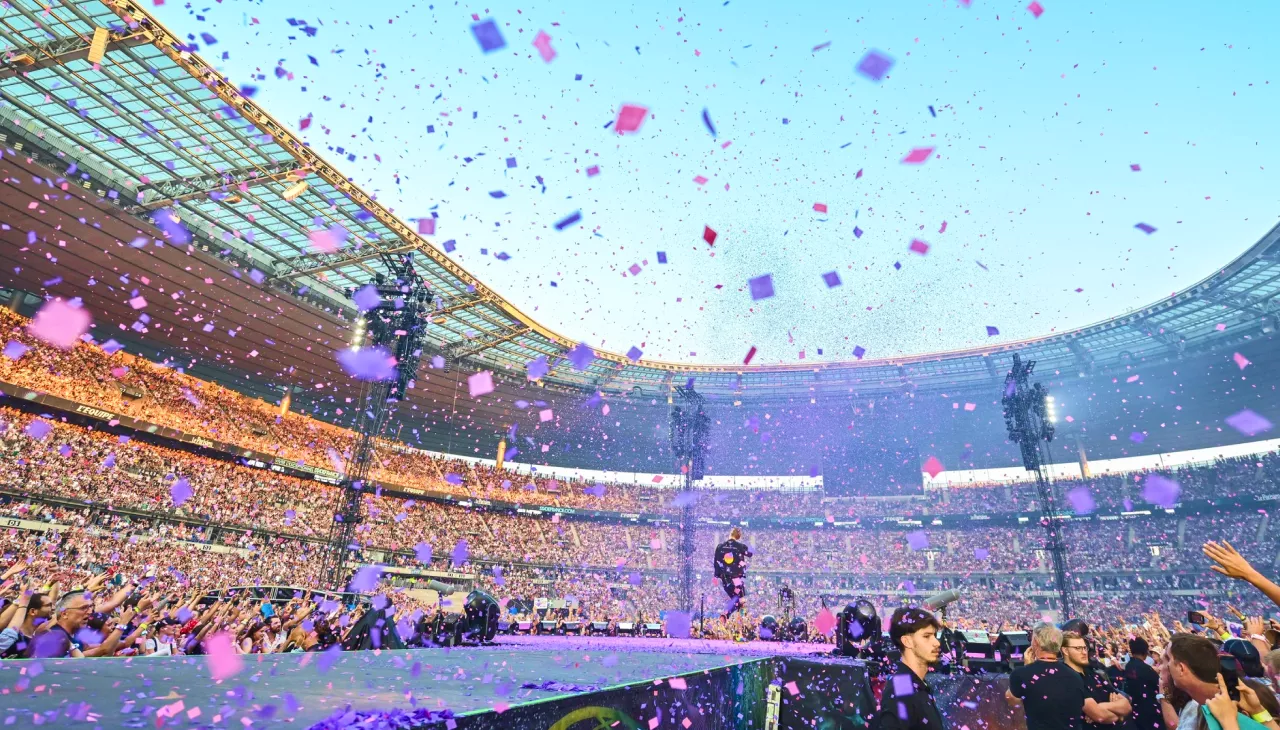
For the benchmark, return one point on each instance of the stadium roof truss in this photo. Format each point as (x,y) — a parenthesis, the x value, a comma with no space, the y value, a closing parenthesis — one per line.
(124,108)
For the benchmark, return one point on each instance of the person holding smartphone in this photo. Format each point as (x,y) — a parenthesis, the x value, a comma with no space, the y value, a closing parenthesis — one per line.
(1192,665)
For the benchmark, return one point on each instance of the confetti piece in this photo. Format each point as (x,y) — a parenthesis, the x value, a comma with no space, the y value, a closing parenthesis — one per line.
(918,540)
(220,652)
(678,624)
(581,356)
(1248,423)
(1080,500)
(992,331)
(1161,491)
(750,354)
(919,247)
(634,354)
(59,323)
(761,287)
(542,42)
(572,218)
(933,467)
(831,278)
(368,363)
(1241,360)
(426,226)
(706,121)
(1036,8)
(480,383)
(180,492)
(1135,167)
(859,351)
(488,35)
(917,155)
(709,235)
(820,207)
(630,117)
(14,350)
(875,65)
(1147,229)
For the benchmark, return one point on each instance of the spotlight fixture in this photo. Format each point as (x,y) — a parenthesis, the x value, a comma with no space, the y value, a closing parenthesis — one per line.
(769,628)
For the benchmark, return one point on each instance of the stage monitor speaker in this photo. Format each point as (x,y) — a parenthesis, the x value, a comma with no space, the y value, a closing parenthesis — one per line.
(653,629)
(626,628)
(598,628)
(1011,645)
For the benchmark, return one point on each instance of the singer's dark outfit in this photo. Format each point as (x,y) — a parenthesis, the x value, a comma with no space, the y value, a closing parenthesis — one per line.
(731,562)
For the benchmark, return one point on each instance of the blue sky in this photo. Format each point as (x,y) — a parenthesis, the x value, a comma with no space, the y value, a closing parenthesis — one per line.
(1037,123)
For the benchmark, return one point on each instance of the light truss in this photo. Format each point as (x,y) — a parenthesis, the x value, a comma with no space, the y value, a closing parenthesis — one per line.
(60,51)
(168,192)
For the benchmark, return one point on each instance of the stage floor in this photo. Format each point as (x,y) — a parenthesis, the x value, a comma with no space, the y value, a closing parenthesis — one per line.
(299,689)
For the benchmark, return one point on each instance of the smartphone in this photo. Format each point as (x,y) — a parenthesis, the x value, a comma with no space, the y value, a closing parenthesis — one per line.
(1195,617)
(1230,670)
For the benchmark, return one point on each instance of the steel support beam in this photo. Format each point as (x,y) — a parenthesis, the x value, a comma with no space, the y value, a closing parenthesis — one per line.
(1083,357)
(479,347)
(60,51)
(1163,335)
(328,262)
(166,193)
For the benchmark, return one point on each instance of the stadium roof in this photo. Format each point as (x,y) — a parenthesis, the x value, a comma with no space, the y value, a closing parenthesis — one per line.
(153,127)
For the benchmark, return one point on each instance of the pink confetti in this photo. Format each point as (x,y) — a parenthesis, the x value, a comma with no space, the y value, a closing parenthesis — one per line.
(59,323)
(919,247)
(543,43)
(481,383)
(933,467)
(630,117)
(820,207)
(1036,8)
(917,155)
(1241,360)
(223,661)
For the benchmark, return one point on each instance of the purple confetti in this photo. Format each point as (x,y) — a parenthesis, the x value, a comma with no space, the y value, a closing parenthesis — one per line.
(761,287)
(368,363)
(874,65)
(1248,423)
(488,35)
(1161,491)
(180,492)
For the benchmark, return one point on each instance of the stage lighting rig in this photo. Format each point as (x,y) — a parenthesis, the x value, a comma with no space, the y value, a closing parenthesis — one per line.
(396,321)
(1029,418)
(690,428)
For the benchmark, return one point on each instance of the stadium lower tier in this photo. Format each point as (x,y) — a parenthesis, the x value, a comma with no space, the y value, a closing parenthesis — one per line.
(64,544)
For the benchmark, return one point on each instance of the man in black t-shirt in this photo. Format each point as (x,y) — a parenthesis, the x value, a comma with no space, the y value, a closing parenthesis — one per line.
(1103,706)
(1051,694)
(1142,684)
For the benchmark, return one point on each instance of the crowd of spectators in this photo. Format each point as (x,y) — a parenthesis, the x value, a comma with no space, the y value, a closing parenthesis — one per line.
(111,379)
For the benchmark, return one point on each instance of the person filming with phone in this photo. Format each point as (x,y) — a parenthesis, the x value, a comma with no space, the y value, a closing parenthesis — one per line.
(1218,698)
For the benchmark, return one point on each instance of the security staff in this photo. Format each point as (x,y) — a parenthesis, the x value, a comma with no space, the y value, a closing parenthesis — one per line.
(907,700)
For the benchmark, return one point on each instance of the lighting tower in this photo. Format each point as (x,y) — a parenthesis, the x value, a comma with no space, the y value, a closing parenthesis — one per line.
(398,324)
(689,429)
(1029,418)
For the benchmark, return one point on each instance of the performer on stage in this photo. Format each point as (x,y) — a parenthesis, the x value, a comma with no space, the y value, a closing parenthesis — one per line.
(731,566)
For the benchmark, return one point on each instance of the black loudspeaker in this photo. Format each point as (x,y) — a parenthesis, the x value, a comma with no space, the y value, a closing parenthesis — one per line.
(977,653)
(1012,645)
(482,617)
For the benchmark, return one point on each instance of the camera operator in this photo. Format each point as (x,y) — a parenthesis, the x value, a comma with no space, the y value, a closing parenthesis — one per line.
(907,701)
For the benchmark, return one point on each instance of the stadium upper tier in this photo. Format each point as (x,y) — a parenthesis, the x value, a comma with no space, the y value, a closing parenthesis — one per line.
(136,127)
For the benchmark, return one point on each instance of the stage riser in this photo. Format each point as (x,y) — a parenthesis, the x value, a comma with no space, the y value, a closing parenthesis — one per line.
(729,698)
